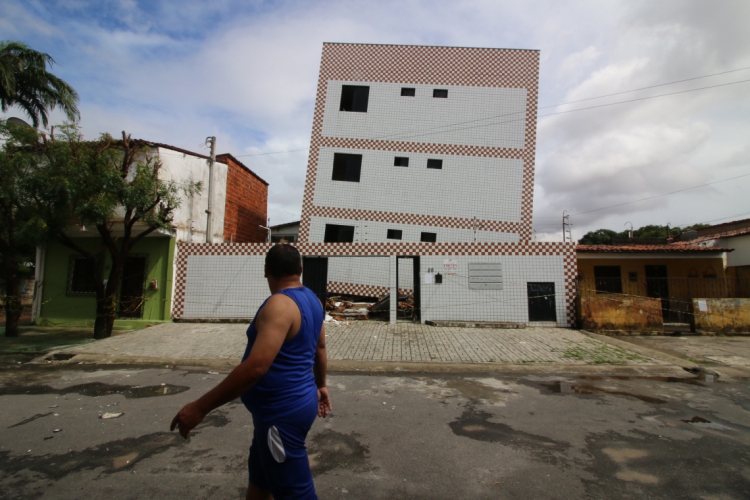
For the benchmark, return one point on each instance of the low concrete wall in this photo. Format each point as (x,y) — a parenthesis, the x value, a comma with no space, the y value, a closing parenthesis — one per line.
(615,312)
(722,315)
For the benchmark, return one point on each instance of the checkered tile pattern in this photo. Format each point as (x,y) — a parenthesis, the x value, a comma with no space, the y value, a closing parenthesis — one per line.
(433,66)
(417,220)
(523,248)
(362,290)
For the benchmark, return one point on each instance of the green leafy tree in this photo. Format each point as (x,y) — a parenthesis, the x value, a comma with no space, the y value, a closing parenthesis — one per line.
(26,83)
(20,230)
(113,186)
(651,231)
(598,237)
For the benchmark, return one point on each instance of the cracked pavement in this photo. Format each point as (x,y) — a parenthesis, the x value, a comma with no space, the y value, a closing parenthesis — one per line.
(414,436)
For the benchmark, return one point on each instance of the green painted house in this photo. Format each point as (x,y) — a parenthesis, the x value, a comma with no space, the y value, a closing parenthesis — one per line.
(64,295)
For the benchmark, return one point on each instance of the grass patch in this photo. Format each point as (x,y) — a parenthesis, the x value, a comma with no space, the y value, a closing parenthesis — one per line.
(598,353)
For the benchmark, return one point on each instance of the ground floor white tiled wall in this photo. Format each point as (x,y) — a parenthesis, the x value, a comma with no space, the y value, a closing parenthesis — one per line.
(453,300)
(233,286)
(224,286)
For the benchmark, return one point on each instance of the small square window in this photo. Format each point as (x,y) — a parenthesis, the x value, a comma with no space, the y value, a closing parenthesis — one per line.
(401,161)
(346,167)
(406,92)
(336,233)
(354,98)
(428,237)
(394,234)
(633,276)
(440,93)
(438,164)
(82,278)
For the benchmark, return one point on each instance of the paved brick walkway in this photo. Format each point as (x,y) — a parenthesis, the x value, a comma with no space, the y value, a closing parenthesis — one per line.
(375,341)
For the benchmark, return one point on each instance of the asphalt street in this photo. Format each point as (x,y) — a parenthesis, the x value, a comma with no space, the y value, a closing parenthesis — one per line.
(411,436)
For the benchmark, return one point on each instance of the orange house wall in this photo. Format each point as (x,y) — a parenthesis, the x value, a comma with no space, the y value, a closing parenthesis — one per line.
(246,206)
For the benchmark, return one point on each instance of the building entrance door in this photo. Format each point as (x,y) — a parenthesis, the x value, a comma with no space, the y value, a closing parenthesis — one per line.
(657,286)
(131,290)
(315,276)
(416,288)
(541,301)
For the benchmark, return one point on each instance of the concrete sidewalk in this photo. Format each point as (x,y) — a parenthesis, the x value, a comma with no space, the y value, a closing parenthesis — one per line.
(368,342)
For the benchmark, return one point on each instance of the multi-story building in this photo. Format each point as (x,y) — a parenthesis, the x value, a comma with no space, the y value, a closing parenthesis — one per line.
(419,144)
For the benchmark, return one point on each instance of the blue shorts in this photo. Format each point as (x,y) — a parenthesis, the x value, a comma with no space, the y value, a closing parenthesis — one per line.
(278,456)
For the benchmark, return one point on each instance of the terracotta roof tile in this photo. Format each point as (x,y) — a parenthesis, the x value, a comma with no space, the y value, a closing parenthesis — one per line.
(648,249)
(725,234)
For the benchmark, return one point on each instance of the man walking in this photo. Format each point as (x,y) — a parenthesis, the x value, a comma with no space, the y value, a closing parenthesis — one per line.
(282,381)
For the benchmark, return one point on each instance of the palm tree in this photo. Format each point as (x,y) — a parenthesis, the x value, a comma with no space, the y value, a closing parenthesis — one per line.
(26,83)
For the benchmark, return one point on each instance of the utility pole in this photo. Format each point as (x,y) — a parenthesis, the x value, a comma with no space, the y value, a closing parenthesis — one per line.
(630,231)
(212,141)
(567,228)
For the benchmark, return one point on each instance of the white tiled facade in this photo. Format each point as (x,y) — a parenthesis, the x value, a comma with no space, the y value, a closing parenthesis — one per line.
(471,116)
(465,186)
(484,133)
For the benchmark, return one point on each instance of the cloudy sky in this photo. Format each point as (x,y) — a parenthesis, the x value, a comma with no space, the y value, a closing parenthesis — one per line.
(246,71)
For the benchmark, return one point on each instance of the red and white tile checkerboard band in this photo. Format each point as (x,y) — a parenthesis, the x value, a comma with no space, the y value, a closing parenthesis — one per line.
(524,248)
(361,290)
(414,219)
(435,66)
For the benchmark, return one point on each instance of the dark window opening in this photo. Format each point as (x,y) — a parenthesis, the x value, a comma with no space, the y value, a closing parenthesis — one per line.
(336,233)
(435,164)
(608,279)
(633,277)
(346,167)
(354,98)
(440,93)
(428,237)
(394,234)
(405,92)
(82,276)
(401,161)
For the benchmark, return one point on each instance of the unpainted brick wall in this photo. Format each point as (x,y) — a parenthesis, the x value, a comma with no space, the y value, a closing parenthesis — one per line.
(246,207)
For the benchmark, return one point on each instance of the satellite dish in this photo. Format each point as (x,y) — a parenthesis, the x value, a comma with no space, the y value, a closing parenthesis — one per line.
(18,122)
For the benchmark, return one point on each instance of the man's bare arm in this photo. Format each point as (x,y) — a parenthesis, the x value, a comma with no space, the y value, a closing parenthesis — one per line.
(320,369)
(273,324)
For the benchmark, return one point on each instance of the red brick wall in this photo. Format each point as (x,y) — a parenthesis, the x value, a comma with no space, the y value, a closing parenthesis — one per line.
(247,205)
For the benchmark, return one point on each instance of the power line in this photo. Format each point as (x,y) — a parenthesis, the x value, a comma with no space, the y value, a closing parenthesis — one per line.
(660,195)
(583,109)
(546,107)
(273,152)
(646,88)
(652,197)
(714,220)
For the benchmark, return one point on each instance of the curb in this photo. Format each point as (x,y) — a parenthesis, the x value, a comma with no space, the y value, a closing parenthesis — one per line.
(388,367)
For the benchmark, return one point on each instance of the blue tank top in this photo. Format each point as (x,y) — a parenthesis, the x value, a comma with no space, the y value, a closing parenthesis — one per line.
(289,382)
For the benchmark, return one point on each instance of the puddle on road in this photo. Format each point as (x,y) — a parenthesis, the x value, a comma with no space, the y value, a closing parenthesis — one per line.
(707,424)
(98,389)
(475,424)
(114,456)
(560,387)
(328,450)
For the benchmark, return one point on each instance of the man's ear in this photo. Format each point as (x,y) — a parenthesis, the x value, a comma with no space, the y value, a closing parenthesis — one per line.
(300,269)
